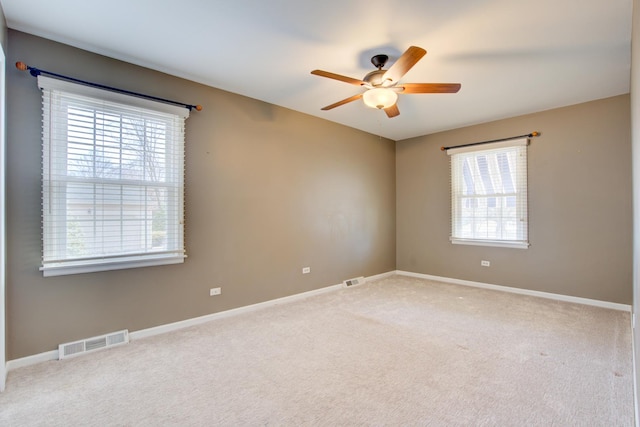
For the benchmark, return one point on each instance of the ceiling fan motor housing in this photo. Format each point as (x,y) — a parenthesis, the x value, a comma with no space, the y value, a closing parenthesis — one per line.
(374,78)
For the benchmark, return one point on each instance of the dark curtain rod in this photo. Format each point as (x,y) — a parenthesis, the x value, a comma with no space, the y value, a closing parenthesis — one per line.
(35,72)
(529,135)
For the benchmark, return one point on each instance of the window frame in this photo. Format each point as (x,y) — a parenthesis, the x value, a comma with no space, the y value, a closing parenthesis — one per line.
(520,191)
(174,165)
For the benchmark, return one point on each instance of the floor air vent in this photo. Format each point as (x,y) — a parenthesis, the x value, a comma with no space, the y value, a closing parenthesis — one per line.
(353,282)
(77,348)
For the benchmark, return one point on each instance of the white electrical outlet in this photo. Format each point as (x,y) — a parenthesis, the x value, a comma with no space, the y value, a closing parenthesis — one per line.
(485,263)
(306,270)
(215,291)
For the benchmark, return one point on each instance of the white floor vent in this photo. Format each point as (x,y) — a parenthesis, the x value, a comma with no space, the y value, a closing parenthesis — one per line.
(353,282)
(77,348)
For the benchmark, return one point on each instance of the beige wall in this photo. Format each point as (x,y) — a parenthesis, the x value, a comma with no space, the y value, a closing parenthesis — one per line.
(580,216)
(268,191)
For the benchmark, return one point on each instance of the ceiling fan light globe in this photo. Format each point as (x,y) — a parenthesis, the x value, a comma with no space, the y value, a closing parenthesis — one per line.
(379,98)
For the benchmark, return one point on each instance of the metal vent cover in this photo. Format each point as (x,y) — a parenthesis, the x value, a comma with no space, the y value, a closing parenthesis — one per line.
(77,348)
(353,282)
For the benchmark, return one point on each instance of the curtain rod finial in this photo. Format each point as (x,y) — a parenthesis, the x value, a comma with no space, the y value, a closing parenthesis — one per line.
(442,148)
(198,107)
(535,133)
(21,66)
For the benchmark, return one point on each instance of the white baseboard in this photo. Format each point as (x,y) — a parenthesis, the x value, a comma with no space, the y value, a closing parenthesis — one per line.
(149,332)
(548,295)
(32,360)
(381,276)
(169,327)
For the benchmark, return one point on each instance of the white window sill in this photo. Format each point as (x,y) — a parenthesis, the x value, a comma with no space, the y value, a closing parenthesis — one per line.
(62,269)
(495,243)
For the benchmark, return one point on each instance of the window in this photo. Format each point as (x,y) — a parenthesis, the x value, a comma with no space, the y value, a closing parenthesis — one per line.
(113,180)
(489,194)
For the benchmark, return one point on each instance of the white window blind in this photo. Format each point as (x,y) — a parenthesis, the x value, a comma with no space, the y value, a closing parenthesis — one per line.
(113,180)
(489,194)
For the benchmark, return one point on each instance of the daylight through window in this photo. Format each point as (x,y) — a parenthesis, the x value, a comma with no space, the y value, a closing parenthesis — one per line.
(489,194)
(113,180)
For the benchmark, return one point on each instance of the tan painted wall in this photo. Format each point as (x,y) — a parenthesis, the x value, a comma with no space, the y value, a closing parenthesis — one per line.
(268,191)
(580,215)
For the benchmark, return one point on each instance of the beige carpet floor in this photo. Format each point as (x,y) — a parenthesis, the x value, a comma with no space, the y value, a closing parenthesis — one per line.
(399,351)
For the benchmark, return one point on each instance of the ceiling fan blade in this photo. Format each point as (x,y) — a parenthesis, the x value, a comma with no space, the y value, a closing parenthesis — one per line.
(392,111)
(404,63)
(344,101)
(338,77)
(430,87)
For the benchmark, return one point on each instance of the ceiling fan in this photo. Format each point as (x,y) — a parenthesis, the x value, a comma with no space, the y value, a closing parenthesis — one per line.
(383,85)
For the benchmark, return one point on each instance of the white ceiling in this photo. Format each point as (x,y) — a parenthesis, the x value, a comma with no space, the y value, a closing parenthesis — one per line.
(512,57)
